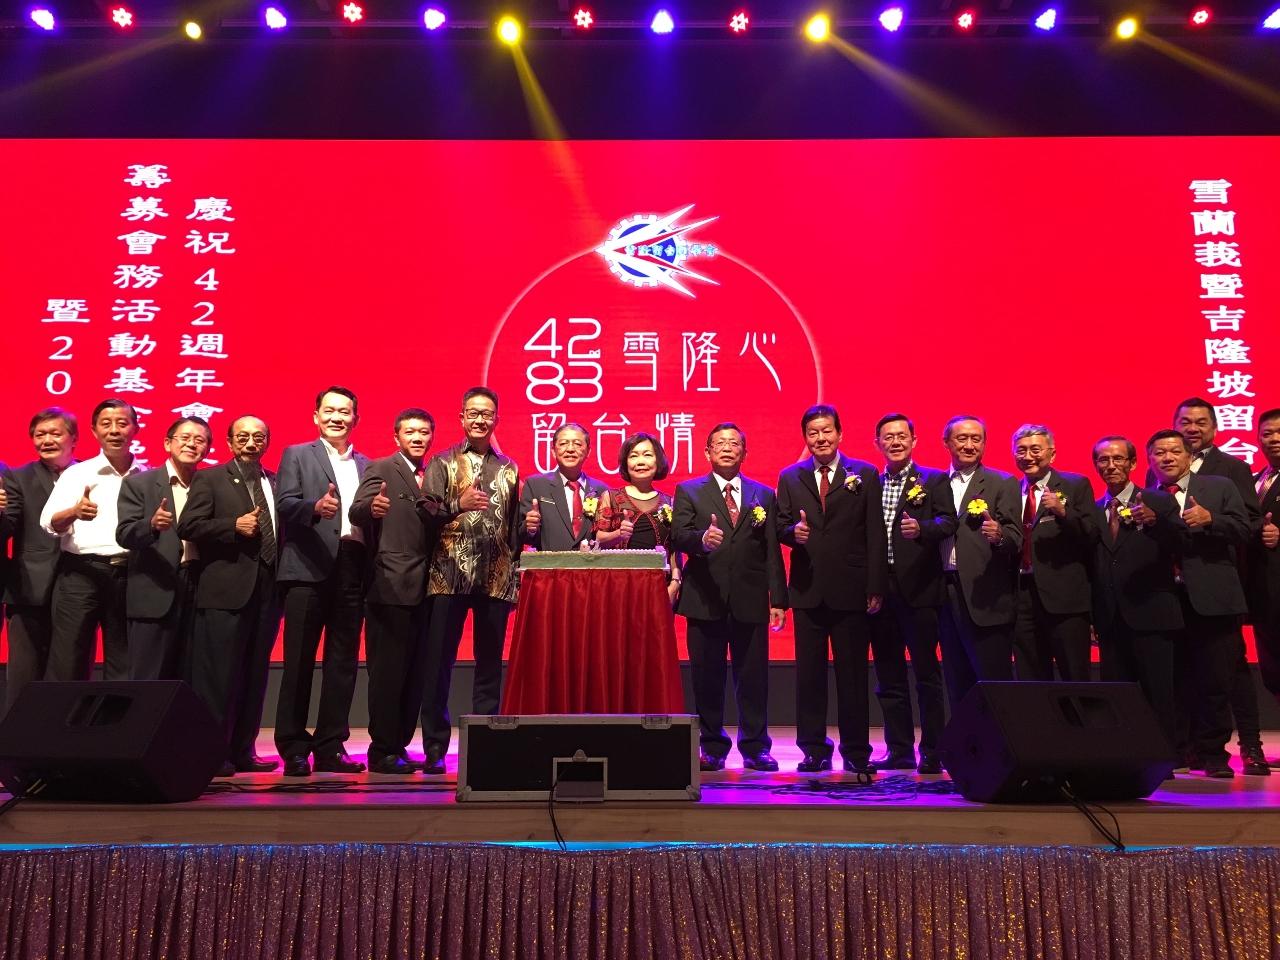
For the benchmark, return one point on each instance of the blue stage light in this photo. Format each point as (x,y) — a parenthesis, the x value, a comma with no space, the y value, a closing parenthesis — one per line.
(1047,20)
(662,22)
(1272,22)
(891,19)
(43,18)
(274,18)
(433,18)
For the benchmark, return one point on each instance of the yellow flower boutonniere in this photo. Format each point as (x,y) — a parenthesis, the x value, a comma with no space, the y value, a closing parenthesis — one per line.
(977,507)
(664,513)
(915,492)
(1125,513)
(589,506)
(757,516)
(853,483)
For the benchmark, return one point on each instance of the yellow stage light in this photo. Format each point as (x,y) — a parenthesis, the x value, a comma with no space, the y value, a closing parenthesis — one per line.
(509,30)
(193,30)
(1127,28)
(818,28)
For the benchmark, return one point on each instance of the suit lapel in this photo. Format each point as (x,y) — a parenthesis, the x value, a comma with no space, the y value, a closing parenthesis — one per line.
(406,475)
(238,482)
(558,496)
(974,489)
(323,458)
(714,501)
(746,502)
(806,478)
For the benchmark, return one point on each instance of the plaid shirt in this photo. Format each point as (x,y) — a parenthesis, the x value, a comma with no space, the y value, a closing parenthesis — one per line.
(892,486)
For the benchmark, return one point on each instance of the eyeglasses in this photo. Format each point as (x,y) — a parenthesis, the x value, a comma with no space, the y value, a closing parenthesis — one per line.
(246,437)
(192,438)
(726,445)
(488,416)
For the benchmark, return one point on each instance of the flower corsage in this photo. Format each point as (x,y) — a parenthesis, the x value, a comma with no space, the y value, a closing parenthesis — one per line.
(758,516)
(977,507)
(589,507)
(915,492)
(853,483)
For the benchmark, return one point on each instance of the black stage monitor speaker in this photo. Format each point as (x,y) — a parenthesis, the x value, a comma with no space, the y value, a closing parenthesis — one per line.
(149,741)
(1021,742)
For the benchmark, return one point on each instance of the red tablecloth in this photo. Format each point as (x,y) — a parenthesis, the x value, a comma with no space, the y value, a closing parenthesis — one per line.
(593,641)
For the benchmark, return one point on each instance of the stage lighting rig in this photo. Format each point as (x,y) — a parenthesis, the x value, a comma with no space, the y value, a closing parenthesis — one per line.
(818,27)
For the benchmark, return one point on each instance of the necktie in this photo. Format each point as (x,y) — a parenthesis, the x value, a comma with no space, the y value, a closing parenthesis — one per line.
(1028,525)
(1172,490)
(1113,517)
(267,545)
(420,475)
(577,507)
(824,487)
(1268,478)
(730,505)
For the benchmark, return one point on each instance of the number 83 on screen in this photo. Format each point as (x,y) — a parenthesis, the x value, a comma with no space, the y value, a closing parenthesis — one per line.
(576,376)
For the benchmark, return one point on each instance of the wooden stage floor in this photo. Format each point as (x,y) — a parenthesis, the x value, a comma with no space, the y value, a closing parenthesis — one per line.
(736,807)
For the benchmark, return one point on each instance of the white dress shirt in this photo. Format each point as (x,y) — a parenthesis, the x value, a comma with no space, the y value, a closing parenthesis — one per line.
(346,475)
(959,486)
(830,467)
(178,498)
(96,536)
(567,494)
(1041,485)
(1181,493)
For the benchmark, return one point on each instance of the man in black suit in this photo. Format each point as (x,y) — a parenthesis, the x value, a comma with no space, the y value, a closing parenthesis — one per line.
(1197,420)
(918,515)
(230,517)
(829,515)
(28,585)
(1212,597)
(1263,566)
(1136,610)
(551,511)
(979,564)
(399,537)
(322,579)
(160,596)
(1058,530)
(734,591)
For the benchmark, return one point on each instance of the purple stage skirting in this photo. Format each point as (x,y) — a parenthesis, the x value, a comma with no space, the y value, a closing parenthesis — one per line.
(368,902)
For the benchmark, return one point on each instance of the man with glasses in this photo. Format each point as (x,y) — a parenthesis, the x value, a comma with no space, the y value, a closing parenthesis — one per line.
(473,567)
(159,600)
(552,516)
(230,517)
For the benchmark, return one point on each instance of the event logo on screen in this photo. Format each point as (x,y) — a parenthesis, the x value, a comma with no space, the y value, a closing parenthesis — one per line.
(647,250)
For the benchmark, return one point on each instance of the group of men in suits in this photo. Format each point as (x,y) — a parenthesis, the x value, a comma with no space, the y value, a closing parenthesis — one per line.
(188,572)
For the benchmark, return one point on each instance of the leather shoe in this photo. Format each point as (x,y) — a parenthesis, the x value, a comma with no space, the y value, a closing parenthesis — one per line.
(710,764)
(1255,764)
(338,762)
(433,763)
(255,764)
(1219,771)
(812,764)
(860,766)
(929,766)
(392,763)
(297,767)
(895,761)
(762,761)
(228,769)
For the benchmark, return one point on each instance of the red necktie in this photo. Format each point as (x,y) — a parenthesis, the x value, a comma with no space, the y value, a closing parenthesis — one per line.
(577,508)
(419,475)
(1172,490)
(824,487)
(730,505)
(1028,525)
(1114,521)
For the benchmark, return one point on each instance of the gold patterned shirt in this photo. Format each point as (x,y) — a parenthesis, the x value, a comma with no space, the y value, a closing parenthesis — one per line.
(477,550)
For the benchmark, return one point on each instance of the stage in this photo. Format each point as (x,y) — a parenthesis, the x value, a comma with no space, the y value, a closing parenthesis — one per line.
(736,807)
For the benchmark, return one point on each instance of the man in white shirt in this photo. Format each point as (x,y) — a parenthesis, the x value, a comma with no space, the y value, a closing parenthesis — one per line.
(89,590)
(323,578)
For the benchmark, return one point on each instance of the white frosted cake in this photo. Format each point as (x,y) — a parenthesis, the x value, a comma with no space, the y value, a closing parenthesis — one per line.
(592,560)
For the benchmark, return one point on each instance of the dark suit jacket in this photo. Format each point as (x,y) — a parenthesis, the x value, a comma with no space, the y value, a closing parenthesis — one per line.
(556,532)
(153,558)
(228,561)
(917,564)
(1210,555)
(399,546)
(743,577)
(35,553)
(5,535)
(1132,574)
(844,559)
(1263,567)
(988,574)
(1215,463)
(1061,550)
(310,542)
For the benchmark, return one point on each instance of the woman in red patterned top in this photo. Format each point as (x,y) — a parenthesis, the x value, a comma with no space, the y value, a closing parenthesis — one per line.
(638,516)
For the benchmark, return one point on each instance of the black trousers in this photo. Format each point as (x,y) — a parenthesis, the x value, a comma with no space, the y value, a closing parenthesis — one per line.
(1266,635)
(711,644)
(1206,660)
(88,594)
(897,629)
(1147,658)
(30,630)
(1042,639)
(230,657)
(847,634)
(970,652)
(334,607)
(395,655)
(1244,700)
(161,649)
(448,616)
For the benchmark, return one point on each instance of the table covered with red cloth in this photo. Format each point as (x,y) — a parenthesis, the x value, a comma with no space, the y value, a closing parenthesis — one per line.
(593,641)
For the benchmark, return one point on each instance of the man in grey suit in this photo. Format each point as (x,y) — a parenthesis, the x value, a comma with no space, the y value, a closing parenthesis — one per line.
(554,512)
(1212,597)
(400,534)
(322,575)
(28,586)
(160,596)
